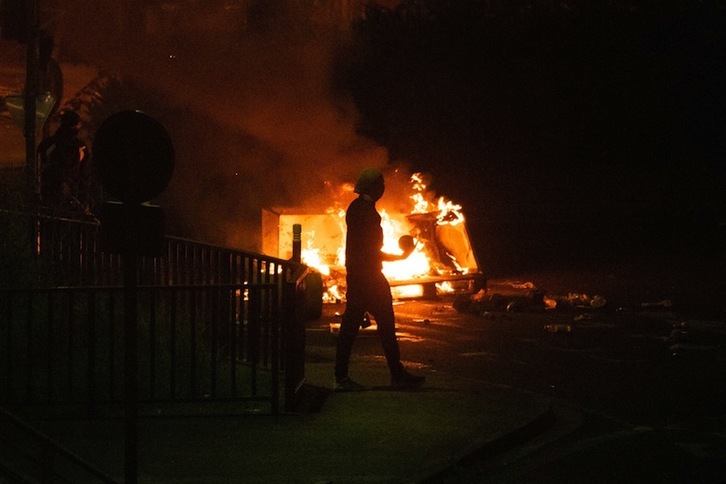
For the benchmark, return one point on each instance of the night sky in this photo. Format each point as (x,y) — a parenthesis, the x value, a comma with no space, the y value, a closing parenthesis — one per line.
(573,133)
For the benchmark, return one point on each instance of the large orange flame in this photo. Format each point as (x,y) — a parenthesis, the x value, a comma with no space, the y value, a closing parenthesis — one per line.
(417,265)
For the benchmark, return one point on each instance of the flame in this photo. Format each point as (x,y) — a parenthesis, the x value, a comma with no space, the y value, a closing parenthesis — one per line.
(449,213)
(420,205)
(417,265)
(410,291)
(311,257)
(445,286)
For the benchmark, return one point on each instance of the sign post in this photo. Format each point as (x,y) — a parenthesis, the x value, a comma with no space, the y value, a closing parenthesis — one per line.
(31,88)
(134,158)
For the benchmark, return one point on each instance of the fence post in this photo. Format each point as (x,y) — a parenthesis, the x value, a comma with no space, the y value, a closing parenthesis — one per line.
(277,296)
(296,243)
(131,366)
(288,311)
(294,335)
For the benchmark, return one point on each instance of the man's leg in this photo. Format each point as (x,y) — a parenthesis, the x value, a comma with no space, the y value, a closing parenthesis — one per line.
(381,306)
(349,326)
(387,334)
(385,318)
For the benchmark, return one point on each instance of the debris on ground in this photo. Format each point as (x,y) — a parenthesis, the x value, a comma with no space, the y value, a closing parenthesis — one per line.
(664,304)
(574,301)
(507,296)
(558,328)
(515,296)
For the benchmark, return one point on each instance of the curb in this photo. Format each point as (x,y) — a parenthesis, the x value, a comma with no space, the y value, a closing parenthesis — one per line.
(499,445)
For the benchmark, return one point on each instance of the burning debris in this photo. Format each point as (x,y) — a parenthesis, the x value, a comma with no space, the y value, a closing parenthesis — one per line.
(442,262)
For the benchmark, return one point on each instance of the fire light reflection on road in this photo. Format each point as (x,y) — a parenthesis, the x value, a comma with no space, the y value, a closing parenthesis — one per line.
(409,337)
(373,331)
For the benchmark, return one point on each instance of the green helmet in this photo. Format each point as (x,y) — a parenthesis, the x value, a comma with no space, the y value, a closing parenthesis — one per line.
(370,182)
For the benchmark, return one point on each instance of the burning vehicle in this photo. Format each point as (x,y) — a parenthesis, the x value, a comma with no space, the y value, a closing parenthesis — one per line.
(443,261)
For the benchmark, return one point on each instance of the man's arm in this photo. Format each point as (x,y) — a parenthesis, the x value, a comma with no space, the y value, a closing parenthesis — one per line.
(407,245)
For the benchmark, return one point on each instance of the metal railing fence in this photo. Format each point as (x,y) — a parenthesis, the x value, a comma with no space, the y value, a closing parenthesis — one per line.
(215,324)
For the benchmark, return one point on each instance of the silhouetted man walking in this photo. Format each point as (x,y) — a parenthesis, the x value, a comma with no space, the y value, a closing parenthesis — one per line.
(368,290)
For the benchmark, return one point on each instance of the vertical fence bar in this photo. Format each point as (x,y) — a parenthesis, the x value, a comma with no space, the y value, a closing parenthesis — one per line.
(29,349)
(274,368)
(131,364)
(93,256)
(288,314)
(152,344)
(232,325)
(268,275)
(83,252)
(91,376)
(112,345)
(49,350)
(9,346)
(170,266)
(253,337)
(244,307)
(262,341)
(214,314)
(193,348)
(172,342)
(71,338)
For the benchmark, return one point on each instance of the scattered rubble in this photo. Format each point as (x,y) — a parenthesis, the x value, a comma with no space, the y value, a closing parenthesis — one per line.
(558,328)
(513,296)
(586,312)
(503,297)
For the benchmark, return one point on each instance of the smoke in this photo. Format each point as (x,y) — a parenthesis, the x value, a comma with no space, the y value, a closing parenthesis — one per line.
(253,116)
(256,126)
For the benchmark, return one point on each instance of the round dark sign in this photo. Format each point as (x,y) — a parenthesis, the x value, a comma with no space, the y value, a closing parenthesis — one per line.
(133,156)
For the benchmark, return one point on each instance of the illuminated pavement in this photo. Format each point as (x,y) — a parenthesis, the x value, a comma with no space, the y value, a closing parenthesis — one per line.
(372,436)
(571,417)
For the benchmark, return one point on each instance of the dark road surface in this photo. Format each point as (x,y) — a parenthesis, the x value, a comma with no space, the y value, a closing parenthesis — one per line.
(641,392)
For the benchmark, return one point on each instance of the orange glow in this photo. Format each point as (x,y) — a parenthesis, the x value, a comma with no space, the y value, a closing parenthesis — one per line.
(415,265)
(409,291)
(442,247)
(449,213)
(445,287)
